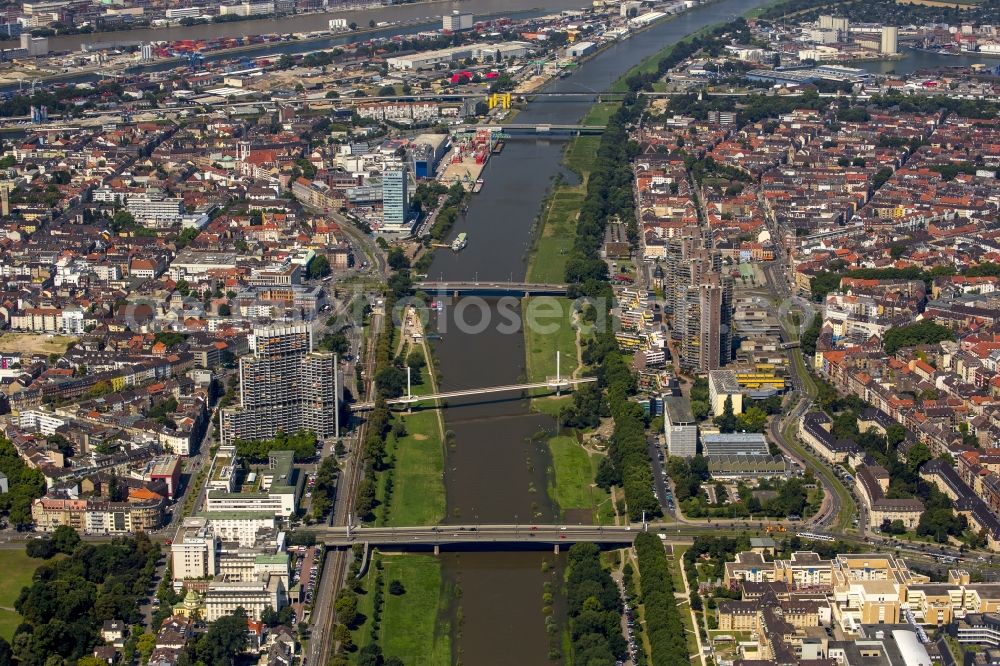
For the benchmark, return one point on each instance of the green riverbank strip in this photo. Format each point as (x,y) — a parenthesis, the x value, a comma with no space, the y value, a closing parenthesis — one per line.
(414,626)
(571,475)
(417,472)
(555,239)
(548,329)
(553,245)
(418,483)
(571,480)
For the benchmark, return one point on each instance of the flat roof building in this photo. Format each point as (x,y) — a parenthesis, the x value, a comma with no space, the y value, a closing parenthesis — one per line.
(724,384)
(679,427)
(427,59)
(735,444)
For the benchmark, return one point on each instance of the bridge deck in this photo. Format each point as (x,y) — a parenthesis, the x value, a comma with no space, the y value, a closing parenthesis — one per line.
(548,128)
(477,535)
(491,287)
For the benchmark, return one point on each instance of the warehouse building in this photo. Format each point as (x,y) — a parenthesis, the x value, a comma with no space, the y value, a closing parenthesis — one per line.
(428,59)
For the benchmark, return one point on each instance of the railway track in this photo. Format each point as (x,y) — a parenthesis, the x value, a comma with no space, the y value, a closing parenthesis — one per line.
(337,562)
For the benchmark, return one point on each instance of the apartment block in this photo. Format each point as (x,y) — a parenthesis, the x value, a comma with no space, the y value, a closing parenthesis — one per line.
(97,516)
(872,483)
(286,386)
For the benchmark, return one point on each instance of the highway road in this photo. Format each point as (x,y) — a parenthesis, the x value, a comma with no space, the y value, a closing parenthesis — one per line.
(836,498)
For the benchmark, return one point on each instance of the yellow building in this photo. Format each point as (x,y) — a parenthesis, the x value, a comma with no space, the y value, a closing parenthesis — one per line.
(941,603)
(804,570)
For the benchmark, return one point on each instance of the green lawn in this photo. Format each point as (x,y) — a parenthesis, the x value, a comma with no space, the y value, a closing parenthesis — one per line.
(676,562)
(548,260)
(418,482)
(572,478)
(581,156)
(552,404)
(18,569)
(418,474)
(547,328)
(415,625)
(600,113)
(9,622)
(366,605)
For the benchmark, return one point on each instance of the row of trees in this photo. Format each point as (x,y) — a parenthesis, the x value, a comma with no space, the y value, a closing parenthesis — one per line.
(627,464)
(667,637)
(449,212)
(373,447)
(373,456)
(609,195)
(325,490)
(594,608)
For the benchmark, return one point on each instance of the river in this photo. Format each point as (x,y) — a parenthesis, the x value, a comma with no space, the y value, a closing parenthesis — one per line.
(914,60)
(304,22)
(494,472)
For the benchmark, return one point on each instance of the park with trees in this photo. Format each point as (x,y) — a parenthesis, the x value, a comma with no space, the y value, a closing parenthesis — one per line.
(71,596)
(24,486)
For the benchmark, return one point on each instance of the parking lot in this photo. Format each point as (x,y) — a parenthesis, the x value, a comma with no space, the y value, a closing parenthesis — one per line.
(305,571)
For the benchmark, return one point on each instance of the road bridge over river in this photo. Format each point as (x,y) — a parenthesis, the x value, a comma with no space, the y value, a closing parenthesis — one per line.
(473,537)
(491,288)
